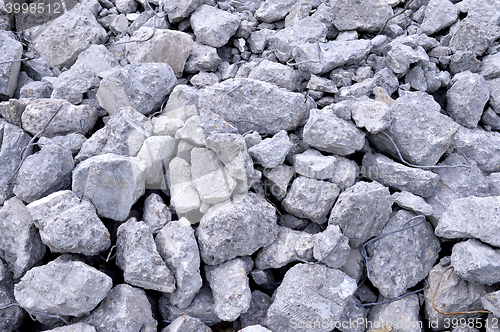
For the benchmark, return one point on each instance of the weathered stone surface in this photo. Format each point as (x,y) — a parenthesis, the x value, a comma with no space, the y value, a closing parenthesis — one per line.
(289,246)
(438,15)
(371,114)
(230,288)
(256,314)
(278,179)
(43,173)
(168,46)
(259,40)
(123,134)
(490,118)
(471,217)
(12,316)
(203,79)
(156,213)
(236,228)
(402,314)
(494,86)
(64,38)
(36,90)
(364,208)
(490,66)
(37,68)
(394,274)
(39,111)
(378,167)
(326,241)
(327,132)
(255,105)
(180,9)
(11,50)
(272,152)
(311,199)
(140,86)
(125,308)
(346,172)
(476,262)
(68,224)
(419,130)
(473,35)
(113,183)
(97,58)
(192,131)
(466,98)
(62,288)
(177,246)
(213,26)
(202,58)
(255,328)
(276,73)
(367,16)
(313,164)
(303,297)
(416,78)
(137,256)
(401,56)
(155,152)
(453,294)
(411,202)
(273,10)
(12,110)
(186,323)
(20,245)
(480,146)
(77,327)
(73,83)
(164,125)
(463,61)
(184,196)
(490,302)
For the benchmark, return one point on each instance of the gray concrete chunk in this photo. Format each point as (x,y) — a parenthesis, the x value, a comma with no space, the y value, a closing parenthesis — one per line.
(438,15)
(184,196)
(156,213)
(490,66)
(476,262)
(313,164)
(494,86)
(77,327)
(62,288)
(326,241)
(36,90)
(12,316)
(68,224)
(236,228)
(73,83)
(186,323)
(346,172)
(401,56)
(274,10)
(137,256)
(364,15)
(155,152)
(364,208)
(490,302)
(213,26)
(378,167)
(72,142)
(272,152)
(11,50)
(180,9)
(256,314)
(403,314)
(113,183)
(276,73)
(371,114)
(202,58)
(473,34)
(278,179)
(178,248)
(414,203)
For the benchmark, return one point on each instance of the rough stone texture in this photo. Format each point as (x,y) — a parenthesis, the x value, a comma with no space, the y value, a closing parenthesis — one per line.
(62,288)
(192,131)
(302,296)
(278,179)
(273,10)
(364,208)
(313,164)
(326,241)
(180,9)
(236,228)
(72,142)
(155,152)
(12,110)
(411,202)
(311,199)
(37,68)
(399,315)
(125,308)
(186,323)
(346,172)
(73,83)
(169,46)
(39,111)
(282,251)
(113,183)
(419,130)
(64,38)
(371,114)
(201,307)
(20,245)
(77,327)
(255,105)
(184,196)
(178,248)
(164,125)
(401,56)
(68,224)
(378,167)
(123,134)
(140,86)
(36,90)
(202,58)
(230,288)
(490,118)
(472,217)
(367,16)
(416,78)
(97,58)
(256,314)
(11,50)
(494,86)
(43,173)
(466,98)
(490,66)
(11,316)
(156,213)
(494,184)
(473,35)
(463,61)
(394,274)
(137,256)
(438,15)
(272,152)
(490,302)
(476,262)
(276,73)
(454,294)
(327,132)
(213,26)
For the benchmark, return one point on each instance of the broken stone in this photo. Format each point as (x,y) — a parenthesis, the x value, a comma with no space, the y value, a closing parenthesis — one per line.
(278,179)
(482,211)
(11,50)
(249,223)
(20,245)
(137,256)
(177,246)
(364,209)
(379,168)
(113,183)
(404,312)
(259,40)
(490,66)
(255,328)
(313,164)
(373,115)
(494,86)
(229,284)
(463,61)
(476,262)
(184,196)
(276,73)
(289,246)
(181,9)
(156,213)
(437,16)
(355,264)
(77,327)
(69,119)
(417,79)
(346,172)
(36,68)
(273,10)
(97,58)
(256,314)
(12,315)
(62,288)
(272,152)
(367,16)
(331,239)
(69,225)
(125,308)
(192,131)
(202,58)
(140,86)
(119,24)
(156,152)
(186,323)
(303,297)
(36,90)
(43,173)
(164,125)
(311,199)
(213,26)
(73,83)
(411,202)
(473,35)
(352,312)
(490,118)
(203,79)
(490,302)
(394,275)
(321,84)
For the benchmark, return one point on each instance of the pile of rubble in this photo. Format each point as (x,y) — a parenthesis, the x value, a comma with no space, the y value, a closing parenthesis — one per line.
(251,165)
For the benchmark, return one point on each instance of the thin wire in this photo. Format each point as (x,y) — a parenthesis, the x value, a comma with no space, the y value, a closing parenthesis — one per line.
(399,297)
(395,15)
(31,312)
(109,257)
(5,62)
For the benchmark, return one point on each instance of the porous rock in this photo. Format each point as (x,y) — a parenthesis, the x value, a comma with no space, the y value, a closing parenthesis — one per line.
(12,315)
(367,16)
(313,164)
(397,314)
(184,196)
(213,26)
(414,203)
(11,50)
(371,114)
(156,151)
(476,262)
(272,152)
(156,213)
(331,247)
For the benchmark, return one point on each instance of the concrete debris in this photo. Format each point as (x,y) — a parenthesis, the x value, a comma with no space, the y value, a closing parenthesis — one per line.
(255,315)
(77,327)
(331,239)
(156,213)
(272,152)
(213,26)
(314,165)
(401,313)
(437,16)
(411,202)
(373,115)
(367,16)
(12,315)
(186,323)
(155,152)
(11,50)
(276,73)
(476,262)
